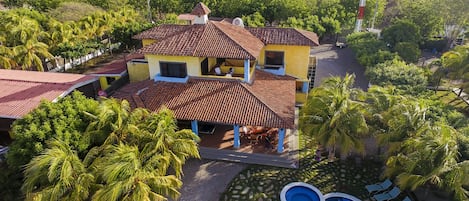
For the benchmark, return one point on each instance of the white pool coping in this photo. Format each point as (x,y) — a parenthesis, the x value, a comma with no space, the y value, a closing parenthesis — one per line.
(342,195)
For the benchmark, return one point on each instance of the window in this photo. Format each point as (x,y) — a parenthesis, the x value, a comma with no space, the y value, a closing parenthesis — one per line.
(299,86)
(171,69)
(110,80)
(273,58)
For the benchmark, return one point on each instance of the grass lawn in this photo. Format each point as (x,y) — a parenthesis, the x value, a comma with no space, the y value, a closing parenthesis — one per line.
(266,182)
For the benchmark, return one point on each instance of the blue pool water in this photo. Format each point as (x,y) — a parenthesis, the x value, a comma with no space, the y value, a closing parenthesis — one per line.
(301,193)
(338,199)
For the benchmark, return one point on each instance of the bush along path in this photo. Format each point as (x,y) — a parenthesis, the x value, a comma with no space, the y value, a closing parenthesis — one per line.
(265,183)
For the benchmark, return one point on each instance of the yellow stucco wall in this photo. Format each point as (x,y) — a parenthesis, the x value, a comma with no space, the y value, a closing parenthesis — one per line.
(211,62)
(296,59)
(193,63)
(138,71)
(301,97)
(103,82)
(146,42)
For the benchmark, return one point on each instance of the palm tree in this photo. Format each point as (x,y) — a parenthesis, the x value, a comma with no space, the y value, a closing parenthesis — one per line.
(128,159)
(154,133)
(31,54)
(57,174)
(21,29)
(128,175)
(6,57)
(401,121)
(334,115)
(158,136)
(431,158)
(457,62)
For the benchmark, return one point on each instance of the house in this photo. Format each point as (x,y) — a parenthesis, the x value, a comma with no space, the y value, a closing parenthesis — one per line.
(22,91)
(264,73)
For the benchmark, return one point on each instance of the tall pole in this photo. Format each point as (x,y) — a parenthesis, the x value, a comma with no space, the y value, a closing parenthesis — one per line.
(374,16)
(361,14)
(149,11)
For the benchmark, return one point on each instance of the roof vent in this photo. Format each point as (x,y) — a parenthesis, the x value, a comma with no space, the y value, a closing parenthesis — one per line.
(238,22)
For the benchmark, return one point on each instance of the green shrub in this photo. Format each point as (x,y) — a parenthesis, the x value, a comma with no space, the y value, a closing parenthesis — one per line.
(408,51)
(409,79)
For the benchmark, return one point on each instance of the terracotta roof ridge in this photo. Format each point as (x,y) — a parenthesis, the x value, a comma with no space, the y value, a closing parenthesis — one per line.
(301,32)
(138,101)
(236,42)
(198,41)
(263,103)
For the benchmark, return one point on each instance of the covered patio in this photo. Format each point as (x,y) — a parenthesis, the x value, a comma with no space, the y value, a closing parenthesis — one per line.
(223,137)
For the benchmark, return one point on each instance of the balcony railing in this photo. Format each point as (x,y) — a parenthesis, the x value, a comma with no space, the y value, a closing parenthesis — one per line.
(159,77)
(274,69)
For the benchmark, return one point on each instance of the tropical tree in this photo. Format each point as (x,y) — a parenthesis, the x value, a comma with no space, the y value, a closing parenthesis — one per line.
(402,31)
(57,174)
(32,54)
(254,20)
(334,115)
(457,63)
(431,158)
(154,134)
(6,57)
(123,154)
(403,120)
(128,174)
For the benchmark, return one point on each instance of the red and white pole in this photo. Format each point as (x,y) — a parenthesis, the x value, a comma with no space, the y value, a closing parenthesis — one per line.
(360,16)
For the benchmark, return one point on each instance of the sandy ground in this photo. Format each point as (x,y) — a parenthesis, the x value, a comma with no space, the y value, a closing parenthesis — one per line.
(206,180)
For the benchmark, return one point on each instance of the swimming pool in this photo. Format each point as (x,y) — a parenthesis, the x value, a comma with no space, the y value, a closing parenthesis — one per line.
(299,191)
(340,197)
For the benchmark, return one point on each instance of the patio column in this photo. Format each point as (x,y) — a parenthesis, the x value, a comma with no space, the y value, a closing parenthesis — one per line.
(247,73)
(281,137)
(195,127)
(305,87)
(236,136)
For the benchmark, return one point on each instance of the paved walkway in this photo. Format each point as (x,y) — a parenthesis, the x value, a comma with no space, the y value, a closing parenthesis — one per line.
(206,180)
(333,61)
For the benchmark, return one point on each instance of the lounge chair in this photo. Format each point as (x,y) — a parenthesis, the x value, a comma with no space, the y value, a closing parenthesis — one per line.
(389,195)
(379,186)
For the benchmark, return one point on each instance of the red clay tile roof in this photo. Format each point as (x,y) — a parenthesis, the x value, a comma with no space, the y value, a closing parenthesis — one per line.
(269,101)
(22,91)
(186,16)
(214,39)
(162,31)
(200,9)
(285,36)
(116,67)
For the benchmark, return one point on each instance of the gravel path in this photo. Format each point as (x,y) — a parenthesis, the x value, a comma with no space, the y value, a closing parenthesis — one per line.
(206,180)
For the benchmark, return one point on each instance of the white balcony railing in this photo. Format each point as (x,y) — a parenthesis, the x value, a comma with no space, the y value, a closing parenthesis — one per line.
(274,69)
(158,77)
